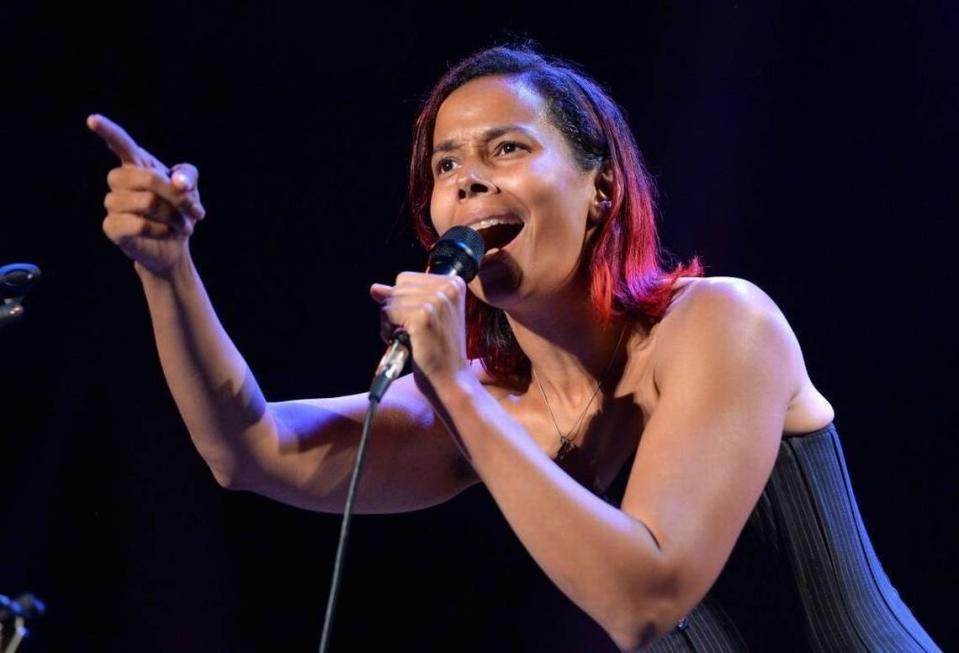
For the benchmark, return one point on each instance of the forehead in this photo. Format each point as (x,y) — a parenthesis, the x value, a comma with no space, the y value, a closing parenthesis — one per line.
(488,102)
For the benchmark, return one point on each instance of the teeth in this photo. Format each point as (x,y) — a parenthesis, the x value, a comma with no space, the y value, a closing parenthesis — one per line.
(490,222)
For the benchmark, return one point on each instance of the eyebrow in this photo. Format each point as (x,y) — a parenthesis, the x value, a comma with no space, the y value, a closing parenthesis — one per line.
(488,135)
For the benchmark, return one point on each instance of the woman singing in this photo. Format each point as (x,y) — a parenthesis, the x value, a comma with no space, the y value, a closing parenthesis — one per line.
(651,436)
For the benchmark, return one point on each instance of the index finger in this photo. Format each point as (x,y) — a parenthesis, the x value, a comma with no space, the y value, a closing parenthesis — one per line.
(380,292)
(116,139)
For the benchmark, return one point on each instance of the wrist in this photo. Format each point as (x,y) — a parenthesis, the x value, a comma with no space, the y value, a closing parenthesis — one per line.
(458,390)
(182,270)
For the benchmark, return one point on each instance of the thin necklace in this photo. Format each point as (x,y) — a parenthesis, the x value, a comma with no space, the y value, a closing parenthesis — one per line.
(567,444)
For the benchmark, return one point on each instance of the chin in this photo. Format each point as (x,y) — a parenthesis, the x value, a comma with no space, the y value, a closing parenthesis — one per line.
(498,281)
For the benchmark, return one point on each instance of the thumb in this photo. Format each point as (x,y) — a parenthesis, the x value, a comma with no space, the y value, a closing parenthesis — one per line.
(184,177)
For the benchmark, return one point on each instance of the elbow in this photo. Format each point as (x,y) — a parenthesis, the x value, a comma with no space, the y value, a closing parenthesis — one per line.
(232,467)
(638,634)
(230,475)
(649,615)
(638,639)
(228,481)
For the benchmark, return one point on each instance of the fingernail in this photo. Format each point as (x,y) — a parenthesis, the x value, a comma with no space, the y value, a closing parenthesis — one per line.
(182,180)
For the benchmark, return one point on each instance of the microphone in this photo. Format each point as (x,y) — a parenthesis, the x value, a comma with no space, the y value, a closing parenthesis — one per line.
(457,253)
(16,280)
(26,606)
(15,614)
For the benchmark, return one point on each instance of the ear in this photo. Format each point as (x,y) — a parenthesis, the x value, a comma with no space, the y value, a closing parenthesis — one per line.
(599,208)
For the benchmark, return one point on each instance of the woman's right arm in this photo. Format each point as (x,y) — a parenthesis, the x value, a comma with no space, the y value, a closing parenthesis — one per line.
(299,452)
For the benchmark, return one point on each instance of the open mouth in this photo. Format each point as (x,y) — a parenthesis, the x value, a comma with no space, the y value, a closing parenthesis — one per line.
(499,234)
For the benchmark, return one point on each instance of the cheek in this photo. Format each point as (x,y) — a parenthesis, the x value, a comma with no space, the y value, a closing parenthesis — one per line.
(439,212)
(559,199)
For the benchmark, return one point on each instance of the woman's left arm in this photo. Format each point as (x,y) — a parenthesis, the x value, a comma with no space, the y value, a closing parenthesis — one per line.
(726,366)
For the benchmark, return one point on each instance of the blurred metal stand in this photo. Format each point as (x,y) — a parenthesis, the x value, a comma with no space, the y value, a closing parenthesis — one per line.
(16,280)
(14,615)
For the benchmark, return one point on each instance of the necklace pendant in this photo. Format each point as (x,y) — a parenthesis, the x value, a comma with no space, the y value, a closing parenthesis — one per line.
(565,446)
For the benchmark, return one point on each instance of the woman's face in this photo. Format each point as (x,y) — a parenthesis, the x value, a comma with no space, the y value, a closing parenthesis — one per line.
(500,166)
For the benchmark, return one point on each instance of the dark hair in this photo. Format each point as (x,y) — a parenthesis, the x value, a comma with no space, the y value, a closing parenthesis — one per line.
(626,273)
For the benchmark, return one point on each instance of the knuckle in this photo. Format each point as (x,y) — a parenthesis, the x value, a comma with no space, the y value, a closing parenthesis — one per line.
(113,227)
(139,178)
(115,177)
(132,178)
(453,288)
(129,171)
(152,203)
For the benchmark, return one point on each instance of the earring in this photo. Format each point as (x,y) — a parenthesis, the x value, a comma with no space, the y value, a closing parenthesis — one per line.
(601,211)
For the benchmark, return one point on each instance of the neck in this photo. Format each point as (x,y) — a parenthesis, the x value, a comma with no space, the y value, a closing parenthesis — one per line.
(571,350)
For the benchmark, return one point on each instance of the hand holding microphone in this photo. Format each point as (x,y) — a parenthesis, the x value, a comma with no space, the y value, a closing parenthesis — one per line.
(424,311)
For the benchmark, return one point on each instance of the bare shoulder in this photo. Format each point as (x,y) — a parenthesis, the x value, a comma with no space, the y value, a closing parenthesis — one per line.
(726,314)
(724,321)
(721,295)
(702,304)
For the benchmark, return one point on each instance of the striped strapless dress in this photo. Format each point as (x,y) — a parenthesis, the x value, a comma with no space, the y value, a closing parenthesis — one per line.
(803,575)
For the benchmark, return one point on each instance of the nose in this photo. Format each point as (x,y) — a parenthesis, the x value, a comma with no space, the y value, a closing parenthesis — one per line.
(471,183)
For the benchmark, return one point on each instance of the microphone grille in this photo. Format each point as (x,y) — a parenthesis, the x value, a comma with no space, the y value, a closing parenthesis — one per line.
(461,248)
(470,238)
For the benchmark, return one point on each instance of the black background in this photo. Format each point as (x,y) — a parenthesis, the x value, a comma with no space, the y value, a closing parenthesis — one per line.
(808,147)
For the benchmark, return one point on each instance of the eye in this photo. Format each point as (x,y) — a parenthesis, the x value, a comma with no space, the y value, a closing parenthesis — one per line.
(444,165)
(508,147)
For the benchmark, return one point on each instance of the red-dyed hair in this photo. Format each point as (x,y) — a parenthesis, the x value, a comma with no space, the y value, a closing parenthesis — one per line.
(627,277)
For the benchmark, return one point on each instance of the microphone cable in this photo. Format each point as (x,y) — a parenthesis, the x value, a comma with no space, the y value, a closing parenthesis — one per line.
(345,525)
(457,253)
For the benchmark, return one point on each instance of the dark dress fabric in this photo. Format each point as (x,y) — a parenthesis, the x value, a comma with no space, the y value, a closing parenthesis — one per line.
(803,575)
